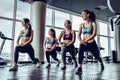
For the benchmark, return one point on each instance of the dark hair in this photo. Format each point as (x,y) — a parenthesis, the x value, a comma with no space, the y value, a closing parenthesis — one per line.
(26,20)
(54,34)
(69,23)
(92,15)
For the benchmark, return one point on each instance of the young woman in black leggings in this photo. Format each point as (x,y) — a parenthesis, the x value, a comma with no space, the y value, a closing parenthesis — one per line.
(87,42)
(50,47)
(24,44)
(68,36)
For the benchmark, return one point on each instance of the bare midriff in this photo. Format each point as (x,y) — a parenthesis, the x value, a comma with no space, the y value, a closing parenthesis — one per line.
(86,36)
(49,45)
(67,41)
(24,39)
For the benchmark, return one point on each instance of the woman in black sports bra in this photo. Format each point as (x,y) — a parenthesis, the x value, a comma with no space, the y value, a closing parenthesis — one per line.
(50,47)
(68,36)
(87,41)
(24,44)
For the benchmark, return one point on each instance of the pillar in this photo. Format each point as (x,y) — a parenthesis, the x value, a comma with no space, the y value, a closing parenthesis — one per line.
(38,19)
(117,37)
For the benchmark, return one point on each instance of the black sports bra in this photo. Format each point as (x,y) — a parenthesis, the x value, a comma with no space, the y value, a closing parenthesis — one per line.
(67,36)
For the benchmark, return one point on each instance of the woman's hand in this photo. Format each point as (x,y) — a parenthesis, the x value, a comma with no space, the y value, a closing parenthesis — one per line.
(83,42)
(63,45)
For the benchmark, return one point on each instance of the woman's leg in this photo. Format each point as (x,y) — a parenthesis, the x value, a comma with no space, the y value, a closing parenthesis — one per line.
(93,48)
(82,48)
(16,56)
(48,56)
(54,56)
(71,50)
(30,51)
(64,50)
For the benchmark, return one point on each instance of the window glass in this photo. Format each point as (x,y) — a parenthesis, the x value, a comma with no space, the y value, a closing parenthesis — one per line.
(77,42)
(104,44)
(76,21)
(6,29)
(6,8)
(49,16)
(103,28)
(23,10)
(60,18)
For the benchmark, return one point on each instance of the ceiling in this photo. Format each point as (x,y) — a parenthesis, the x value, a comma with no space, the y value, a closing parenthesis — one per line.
(99,7)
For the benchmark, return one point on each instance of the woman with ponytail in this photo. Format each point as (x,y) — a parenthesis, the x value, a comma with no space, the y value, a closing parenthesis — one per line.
(87,41)
(68,35)
(50,47)
(24,44)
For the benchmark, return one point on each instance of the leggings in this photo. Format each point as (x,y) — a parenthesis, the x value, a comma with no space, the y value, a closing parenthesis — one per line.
(71,50)
(52,53)
(92,47)
(25,49)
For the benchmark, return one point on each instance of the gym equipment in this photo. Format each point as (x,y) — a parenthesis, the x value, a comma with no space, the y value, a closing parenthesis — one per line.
(2,36)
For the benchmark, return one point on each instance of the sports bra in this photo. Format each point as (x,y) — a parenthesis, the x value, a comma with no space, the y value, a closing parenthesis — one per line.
(87,30)
(25,34)
(67,36)
(50,41)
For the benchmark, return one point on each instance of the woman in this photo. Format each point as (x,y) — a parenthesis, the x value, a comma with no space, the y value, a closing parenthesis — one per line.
(24,44)
(67,45)
(50,47)
(87,42)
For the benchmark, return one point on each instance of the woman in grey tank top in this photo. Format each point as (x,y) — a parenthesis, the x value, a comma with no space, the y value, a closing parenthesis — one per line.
(24,44)
(87,41)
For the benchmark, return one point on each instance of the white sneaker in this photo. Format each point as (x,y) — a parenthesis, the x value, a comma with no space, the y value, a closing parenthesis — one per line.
(38,65)
(14,68)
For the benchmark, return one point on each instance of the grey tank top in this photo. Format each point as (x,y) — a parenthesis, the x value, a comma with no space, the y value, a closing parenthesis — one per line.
(87,30)
(25,34)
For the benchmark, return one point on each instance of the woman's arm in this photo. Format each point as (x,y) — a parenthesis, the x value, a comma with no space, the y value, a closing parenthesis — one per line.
(60,37)
(79,32)
(44,44)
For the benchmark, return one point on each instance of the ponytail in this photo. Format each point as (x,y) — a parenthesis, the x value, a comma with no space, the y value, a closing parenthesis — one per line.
(26,20)
(92,15)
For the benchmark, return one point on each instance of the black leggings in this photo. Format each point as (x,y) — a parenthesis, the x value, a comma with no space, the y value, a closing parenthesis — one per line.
(25,49)
(92,47)
(71,50)
(53,53)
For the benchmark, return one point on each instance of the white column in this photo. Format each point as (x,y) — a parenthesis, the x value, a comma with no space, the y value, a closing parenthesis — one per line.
(39,14)
(117,37)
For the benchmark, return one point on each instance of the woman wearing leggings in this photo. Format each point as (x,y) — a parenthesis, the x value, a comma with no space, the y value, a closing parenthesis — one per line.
(87,41)
(50,47)
(24,44)
(68,36)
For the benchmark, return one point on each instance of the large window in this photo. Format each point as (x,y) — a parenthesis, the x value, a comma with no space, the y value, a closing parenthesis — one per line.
(76,21)
(103,28)
(6,8)
(6,29)
(60,18)
(23,10)
(48,16)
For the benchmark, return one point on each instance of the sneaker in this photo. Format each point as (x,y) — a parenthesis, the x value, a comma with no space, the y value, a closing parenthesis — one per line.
(14,68)
(58,63)
(79,71)
(63,68)
(48,66)
(102,66)
(38,65)
(76,65)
